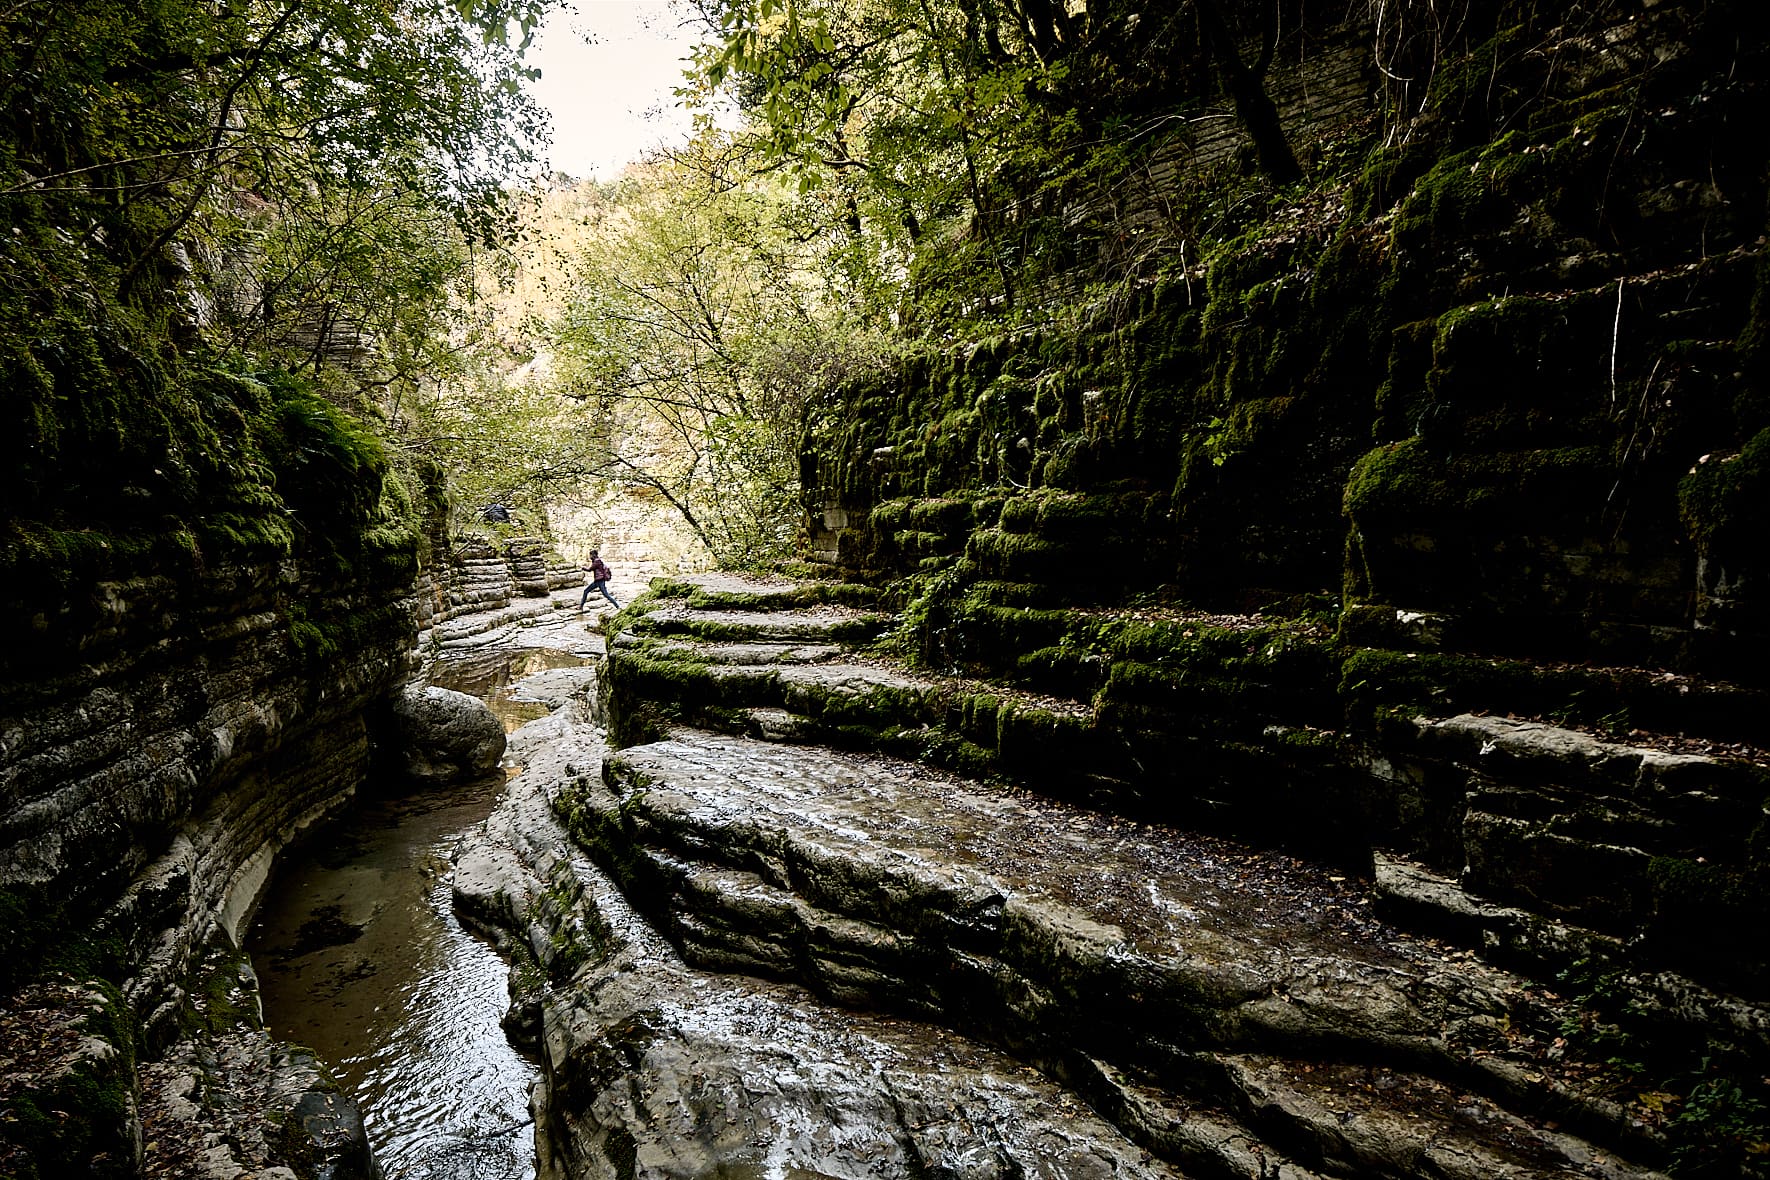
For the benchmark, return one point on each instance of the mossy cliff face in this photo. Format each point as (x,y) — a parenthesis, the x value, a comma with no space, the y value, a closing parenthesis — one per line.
(158,651)
(1606,879)
(1472,425)
(207,592)
(1506,372)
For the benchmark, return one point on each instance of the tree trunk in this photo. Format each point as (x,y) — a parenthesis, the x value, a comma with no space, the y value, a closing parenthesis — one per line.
(1252,104)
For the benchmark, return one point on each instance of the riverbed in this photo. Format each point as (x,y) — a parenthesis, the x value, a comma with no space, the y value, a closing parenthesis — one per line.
(361,958)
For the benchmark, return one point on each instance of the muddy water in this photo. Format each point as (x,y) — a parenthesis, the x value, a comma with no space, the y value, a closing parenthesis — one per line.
(362,959)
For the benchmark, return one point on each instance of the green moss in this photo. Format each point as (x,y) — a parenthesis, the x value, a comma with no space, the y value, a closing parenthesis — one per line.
(1401,478)
(709,626)
(1441,683)
(816,593)
(1411,483)
(1725,500)
(948,751)
(183,470)
(1728,895)
(1374,683)
(219,998)
(1386,176)
(327,629)
(257,539)
(1022,556)
(918,544)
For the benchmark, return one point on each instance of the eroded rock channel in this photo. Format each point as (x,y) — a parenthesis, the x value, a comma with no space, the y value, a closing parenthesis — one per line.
(360,956)
(736,956)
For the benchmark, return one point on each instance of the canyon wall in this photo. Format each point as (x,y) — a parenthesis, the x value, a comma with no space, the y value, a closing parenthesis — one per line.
(208,599)
(1418,526)
(188,684)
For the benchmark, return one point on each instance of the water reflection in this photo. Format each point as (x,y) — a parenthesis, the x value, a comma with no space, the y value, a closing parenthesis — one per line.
(362,959)
(490,678)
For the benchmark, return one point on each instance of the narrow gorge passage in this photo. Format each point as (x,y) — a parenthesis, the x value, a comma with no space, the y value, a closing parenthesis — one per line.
(1184,591)
(361,957)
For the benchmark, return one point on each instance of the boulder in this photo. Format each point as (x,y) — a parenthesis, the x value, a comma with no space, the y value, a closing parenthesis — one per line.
(443,736)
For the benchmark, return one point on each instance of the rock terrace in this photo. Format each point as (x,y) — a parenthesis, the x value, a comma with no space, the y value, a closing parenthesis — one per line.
(1226,1009)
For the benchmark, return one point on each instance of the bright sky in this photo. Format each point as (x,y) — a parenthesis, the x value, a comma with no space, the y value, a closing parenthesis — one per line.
(607,70)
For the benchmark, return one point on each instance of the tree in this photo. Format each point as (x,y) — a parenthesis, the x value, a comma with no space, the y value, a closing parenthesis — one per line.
(674,363)
(1252,103)
(978,130)
(684,293)
(261,187)
(171,129)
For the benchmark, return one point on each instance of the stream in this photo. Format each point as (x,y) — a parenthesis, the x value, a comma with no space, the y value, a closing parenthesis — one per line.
(361,958)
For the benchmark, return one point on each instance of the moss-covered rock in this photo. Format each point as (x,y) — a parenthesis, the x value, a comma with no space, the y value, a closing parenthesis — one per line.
(1724,502)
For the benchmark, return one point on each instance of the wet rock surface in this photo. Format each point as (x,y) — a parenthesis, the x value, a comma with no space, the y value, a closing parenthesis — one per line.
(1244,981)
(243,1106)
(655,1068)
(445,736)
(149,788)
(1229,1008)
(737,957)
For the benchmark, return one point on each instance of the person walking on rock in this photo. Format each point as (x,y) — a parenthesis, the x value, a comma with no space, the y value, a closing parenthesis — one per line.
(596,578)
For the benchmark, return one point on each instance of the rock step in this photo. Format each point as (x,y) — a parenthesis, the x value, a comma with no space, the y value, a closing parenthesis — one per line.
(1063,933)
(1338,1119)
(453,629)
(723,590)
(756,652)
(812,692)
(823,623)
(1422,900)
(648,692)
(1638,852)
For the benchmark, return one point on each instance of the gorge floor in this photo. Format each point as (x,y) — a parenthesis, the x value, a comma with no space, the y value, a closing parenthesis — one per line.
(737,957)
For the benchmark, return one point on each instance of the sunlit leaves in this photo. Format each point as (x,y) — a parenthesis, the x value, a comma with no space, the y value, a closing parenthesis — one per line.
(696,319)
(172,100)
(927,117)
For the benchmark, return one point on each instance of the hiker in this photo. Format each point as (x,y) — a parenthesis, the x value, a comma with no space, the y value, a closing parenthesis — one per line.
(596,579)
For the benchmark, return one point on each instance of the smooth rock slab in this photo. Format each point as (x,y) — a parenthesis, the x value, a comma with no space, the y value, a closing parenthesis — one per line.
(1068,934)
(657,1070)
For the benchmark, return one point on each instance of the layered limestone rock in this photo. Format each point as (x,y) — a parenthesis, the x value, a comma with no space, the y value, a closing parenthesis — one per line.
(478,586)
(652,1067)
(150,788)
(1413,524)
(244,1104)
(179,700)
(1157,971)
(1103,952)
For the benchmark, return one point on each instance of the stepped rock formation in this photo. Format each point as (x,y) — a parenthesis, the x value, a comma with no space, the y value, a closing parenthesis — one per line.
(1302,714)
(1417,528)
(1196,1005)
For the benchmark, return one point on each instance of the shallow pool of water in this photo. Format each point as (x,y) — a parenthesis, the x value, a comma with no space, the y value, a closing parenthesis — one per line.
(361,958)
